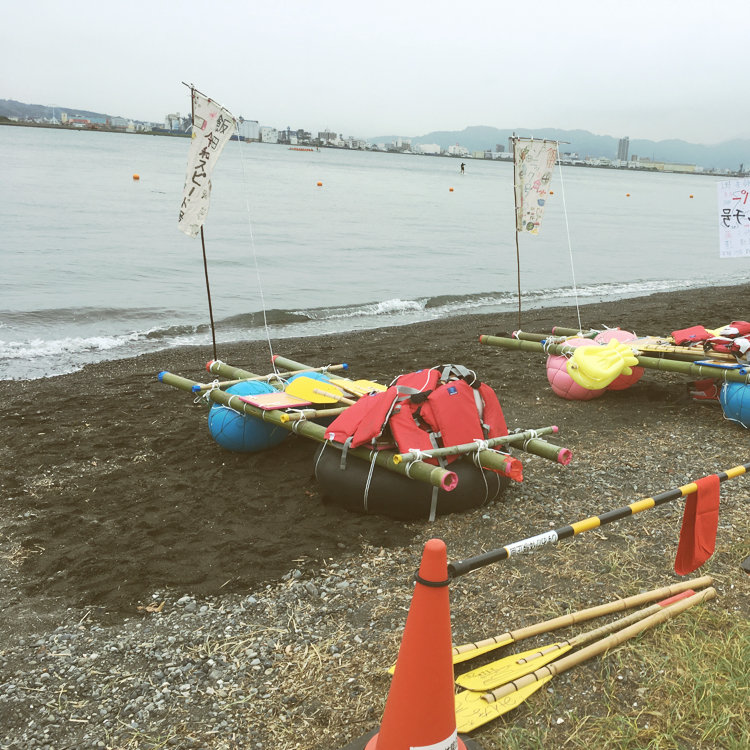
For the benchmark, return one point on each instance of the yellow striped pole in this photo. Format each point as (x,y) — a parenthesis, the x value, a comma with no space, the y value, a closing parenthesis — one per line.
(550,537)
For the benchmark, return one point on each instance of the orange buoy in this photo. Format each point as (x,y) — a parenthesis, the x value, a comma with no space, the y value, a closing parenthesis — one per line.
(691,196)
(136,177)
(627,195)
(320,184)
(551,192)
(451,189)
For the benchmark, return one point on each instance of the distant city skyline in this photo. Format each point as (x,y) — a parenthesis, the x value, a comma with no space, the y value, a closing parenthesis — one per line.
(650,70)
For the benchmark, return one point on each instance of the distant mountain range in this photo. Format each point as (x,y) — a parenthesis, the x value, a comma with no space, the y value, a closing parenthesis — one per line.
(12,108)
(726,156)
(722,156)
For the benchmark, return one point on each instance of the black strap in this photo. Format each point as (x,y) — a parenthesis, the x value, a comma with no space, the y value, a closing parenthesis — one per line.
(431,584)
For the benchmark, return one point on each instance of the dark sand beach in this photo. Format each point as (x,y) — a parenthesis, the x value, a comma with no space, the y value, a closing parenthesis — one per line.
(112,489)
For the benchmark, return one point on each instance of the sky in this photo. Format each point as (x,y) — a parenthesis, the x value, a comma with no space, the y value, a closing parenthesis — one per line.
(656,69)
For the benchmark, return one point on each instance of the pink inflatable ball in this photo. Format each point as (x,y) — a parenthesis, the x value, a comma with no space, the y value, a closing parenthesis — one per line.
(621,382)
(614,333)
(562,384)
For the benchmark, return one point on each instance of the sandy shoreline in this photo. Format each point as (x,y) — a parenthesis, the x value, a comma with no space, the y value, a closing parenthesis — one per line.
(112,488)
(109,462)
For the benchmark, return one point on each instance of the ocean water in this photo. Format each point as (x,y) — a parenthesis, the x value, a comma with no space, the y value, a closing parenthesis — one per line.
(93,266)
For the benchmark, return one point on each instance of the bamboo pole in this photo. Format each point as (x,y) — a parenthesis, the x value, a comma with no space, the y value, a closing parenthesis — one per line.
(562,331)
(551,537)
(667,365)
(267,378)
(462,448)
(418,470)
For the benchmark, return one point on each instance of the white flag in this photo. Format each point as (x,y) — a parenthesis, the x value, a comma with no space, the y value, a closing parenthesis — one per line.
(533,163)
(213,126)
(734,218)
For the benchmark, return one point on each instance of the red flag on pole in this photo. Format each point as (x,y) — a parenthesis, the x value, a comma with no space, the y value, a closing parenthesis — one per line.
(699,524)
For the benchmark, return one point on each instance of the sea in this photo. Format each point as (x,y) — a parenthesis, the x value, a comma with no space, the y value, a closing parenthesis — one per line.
(297,243)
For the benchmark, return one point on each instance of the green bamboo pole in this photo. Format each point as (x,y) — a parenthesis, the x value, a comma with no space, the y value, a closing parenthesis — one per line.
(454,450)
(300,414)
(529,441)
(291,364)
(266,378)
(217,367)
(560,334)
(543,449)
(418,470)
(561,331)
(652,363)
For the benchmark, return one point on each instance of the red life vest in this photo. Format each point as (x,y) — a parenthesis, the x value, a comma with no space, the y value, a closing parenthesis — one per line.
(423,410)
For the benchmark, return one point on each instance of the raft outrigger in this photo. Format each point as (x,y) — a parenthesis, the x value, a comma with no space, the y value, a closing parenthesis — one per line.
(582,365)
(420,467)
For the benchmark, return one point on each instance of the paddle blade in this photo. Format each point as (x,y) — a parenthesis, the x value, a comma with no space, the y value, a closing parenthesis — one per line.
(472,710)
(478,651)
(316,391)
(471,652)
(359,387)
(510,668)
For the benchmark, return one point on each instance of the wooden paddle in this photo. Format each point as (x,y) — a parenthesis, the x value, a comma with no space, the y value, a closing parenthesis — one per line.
(473,709)
(491,676)
(358,388)
(470,650)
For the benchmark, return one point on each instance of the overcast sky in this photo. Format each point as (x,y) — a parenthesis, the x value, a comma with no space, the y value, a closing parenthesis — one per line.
(652,69)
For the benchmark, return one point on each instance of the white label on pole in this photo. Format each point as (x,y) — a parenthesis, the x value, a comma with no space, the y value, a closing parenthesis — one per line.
(734,218)
(525,545)
(450,744)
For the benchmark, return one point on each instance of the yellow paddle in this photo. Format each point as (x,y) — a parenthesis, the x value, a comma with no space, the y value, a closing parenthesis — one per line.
(473,709)
(470,650)
(316,391)
(514,666)
(358,387)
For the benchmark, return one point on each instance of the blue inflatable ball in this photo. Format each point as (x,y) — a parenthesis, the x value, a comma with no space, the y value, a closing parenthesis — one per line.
(313,375)
(735,401)
(241,432)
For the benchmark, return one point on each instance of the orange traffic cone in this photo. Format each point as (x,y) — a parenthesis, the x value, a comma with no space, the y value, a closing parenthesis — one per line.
(420,711)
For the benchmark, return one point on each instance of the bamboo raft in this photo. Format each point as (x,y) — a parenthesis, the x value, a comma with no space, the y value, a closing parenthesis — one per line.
(306,422)
(730,377)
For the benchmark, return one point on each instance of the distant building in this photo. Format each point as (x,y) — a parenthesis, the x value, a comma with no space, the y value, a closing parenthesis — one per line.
(172,121)
(327,135)
(623,147)
(249,130)
(429,148)
(269,135)
(457,150)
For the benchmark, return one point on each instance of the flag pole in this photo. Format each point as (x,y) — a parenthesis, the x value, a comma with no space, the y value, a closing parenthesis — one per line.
(203,244)
(208,293)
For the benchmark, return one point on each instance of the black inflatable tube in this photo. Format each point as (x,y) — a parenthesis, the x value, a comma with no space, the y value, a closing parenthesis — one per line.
(397,496)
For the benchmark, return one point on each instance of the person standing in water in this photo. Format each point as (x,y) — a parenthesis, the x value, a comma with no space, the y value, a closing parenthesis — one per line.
(462,167)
